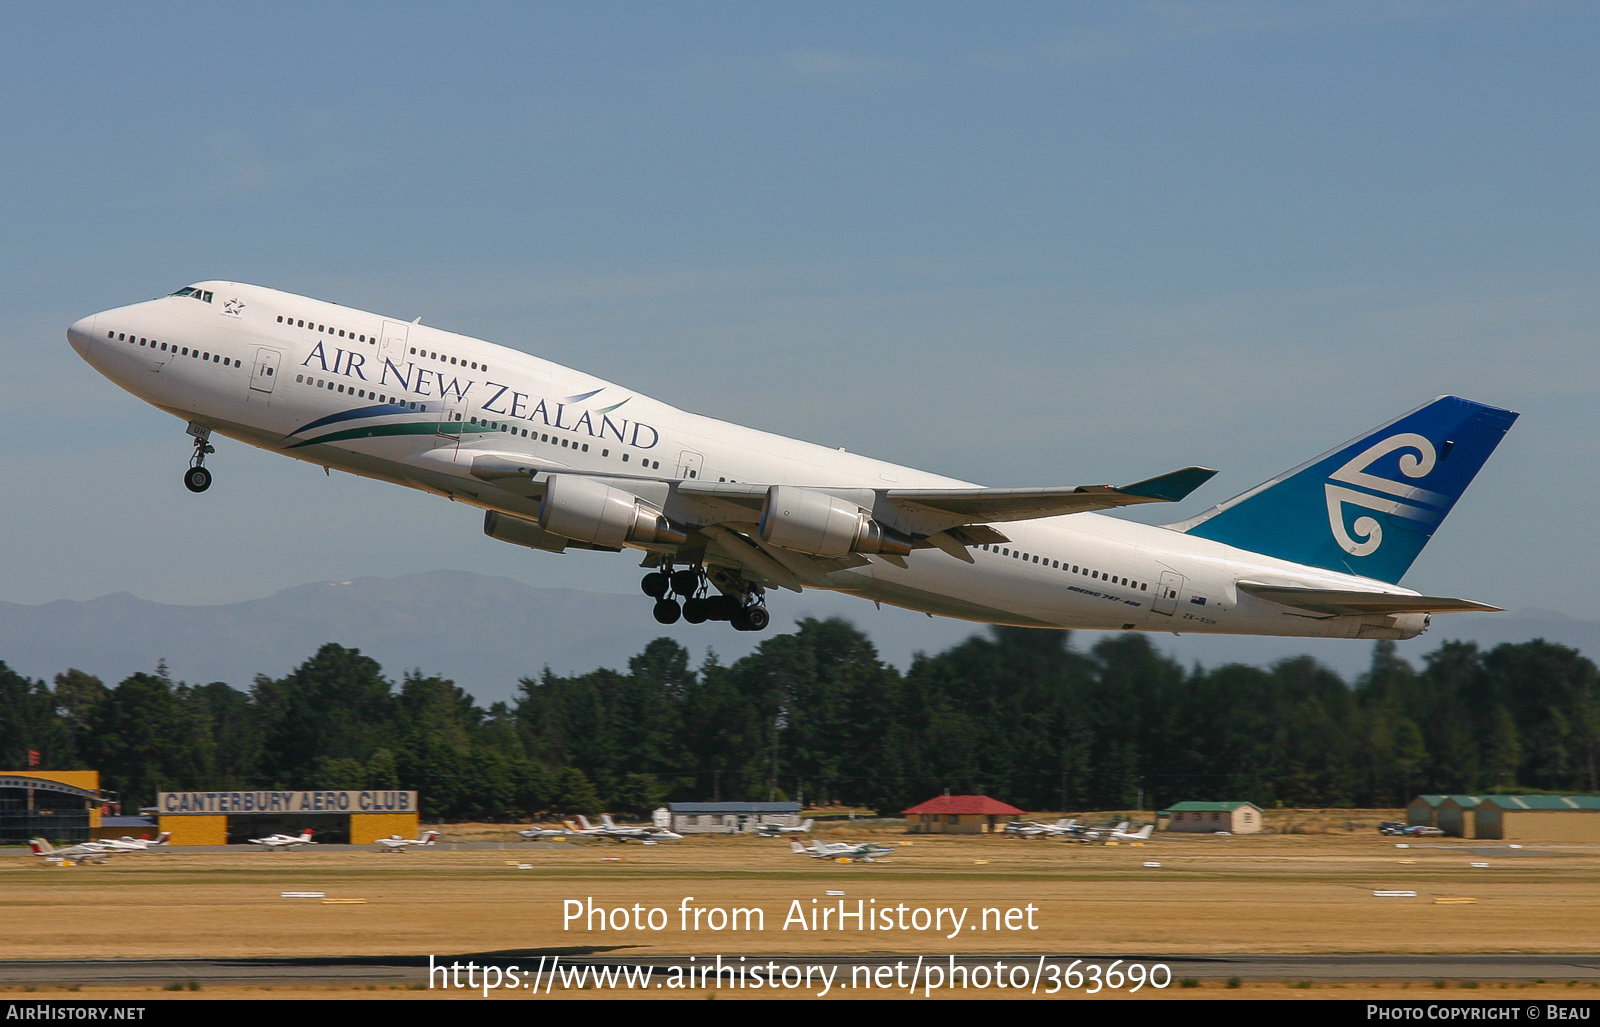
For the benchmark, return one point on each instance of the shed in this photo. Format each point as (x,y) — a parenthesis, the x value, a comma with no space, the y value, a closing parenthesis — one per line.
(1455,816)
(1423,811)
(1234,817)
(959,814)
(730,817)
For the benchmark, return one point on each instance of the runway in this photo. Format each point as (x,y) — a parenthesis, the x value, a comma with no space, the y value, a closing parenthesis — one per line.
(404,971)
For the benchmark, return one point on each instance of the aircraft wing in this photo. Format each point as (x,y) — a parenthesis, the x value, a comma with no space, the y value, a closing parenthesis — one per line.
(1333,602)
(977,506)
(941,509)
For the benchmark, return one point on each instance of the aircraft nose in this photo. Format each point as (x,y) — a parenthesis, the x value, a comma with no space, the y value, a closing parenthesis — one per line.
(79,335)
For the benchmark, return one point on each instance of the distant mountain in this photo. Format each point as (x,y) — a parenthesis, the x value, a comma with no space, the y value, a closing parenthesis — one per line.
(487,632)
(483,632)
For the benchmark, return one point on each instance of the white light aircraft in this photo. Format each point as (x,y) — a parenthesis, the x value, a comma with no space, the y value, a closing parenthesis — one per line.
(127,843)
(647,833)
(854,852)
(1034,829)
(778,830)
(588,830)
(534,834)
(395,843)
(274,842)
(560,460)
(85,852)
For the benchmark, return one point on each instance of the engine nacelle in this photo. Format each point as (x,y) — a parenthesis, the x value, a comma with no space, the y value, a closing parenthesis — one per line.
(591,511)
(815,523)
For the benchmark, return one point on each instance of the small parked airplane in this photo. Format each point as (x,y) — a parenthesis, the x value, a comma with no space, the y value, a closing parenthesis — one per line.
(274,842)
(85,852)
(130,844)
(534,834)
(778,830)
(843,852)
(616,832)
(395,843)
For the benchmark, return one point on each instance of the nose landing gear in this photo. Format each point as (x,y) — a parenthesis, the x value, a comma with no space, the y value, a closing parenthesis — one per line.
(197,478)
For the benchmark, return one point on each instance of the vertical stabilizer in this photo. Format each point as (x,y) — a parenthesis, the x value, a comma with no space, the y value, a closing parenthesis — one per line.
(1369,506)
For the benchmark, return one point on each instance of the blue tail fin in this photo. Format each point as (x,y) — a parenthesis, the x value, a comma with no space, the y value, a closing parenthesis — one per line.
(1369,506)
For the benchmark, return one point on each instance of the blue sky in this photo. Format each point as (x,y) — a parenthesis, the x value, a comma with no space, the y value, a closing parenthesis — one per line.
(1020,244)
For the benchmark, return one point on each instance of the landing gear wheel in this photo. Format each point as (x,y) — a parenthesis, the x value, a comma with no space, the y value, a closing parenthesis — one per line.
(197,479)
(685,582)
(654,584)
(696,611)
(721,608)
(667,611)
(751,618)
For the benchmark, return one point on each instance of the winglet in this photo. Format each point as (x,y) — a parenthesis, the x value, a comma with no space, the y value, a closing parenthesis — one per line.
(1171,487)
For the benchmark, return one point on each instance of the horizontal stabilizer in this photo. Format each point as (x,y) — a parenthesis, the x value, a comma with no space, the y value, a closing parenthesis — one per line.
(1340,601)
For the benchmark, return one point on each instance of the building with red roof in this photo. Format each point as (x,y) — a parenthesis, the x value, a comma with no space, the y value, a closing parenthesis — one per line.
(959,814)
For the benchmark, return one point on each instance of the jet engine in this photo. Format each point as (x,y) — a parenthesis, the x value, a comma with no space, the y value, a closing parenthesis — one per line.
(815,523)
(590,511)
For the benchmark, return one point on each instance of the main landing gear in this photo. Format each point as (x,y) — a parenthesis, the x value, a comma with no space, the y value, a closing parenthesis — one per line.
(743,609)
(197,478)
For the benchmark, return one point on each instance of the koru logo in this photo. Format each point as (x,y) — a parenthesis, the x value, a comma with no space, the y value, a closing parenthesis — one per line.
(233,307)
(1418,462)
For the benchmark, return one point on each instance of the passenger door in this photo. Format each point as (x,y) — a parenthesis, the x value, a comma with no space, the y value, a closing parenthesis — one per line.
(393,344)
(1168,592)
(264,372)
(689,464)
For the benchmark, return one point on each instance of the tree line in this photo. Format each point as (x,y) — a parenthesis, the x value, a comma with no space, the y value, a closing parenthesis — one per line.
(815,715)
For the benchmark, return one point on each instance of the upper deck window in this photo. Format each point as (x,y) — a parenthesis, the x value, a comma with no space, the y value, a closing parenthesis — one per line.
(194,293)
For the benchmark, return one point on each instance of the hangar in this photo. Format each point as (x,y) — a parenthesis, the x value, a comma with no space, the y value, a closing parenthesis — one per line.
(336,816)
(62,805)
(1547,818)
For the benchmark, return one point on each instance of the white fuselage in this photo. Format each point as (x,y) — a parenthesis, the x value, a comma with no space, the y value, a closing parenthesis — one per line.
(262,366)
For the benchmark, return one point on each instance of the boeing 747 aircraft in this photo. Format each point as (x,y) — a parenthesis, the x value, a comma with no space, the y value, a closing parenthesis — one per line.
(560,460)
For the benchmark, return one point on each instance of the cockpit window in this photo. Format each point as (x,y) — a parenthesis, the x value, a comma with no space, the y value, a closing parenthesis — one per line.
(194,293)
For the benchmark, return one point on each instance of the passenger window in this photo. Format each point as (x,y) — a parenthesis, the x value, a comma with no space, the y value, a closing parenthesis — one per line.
(624,458)
(586,447)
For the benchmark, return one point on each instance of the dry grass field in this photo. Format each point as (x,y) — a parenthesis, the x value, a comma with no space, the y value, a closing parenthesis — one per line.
(1308,892)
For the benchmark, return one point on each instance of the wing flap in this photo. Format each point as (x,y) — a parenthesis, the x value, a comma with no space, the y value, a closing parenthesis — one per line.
(1341,601)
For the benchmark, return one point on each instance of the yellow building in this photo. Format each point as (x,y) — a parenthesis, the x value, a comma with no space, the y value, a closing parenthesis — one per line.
(60,805)
(334,816)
